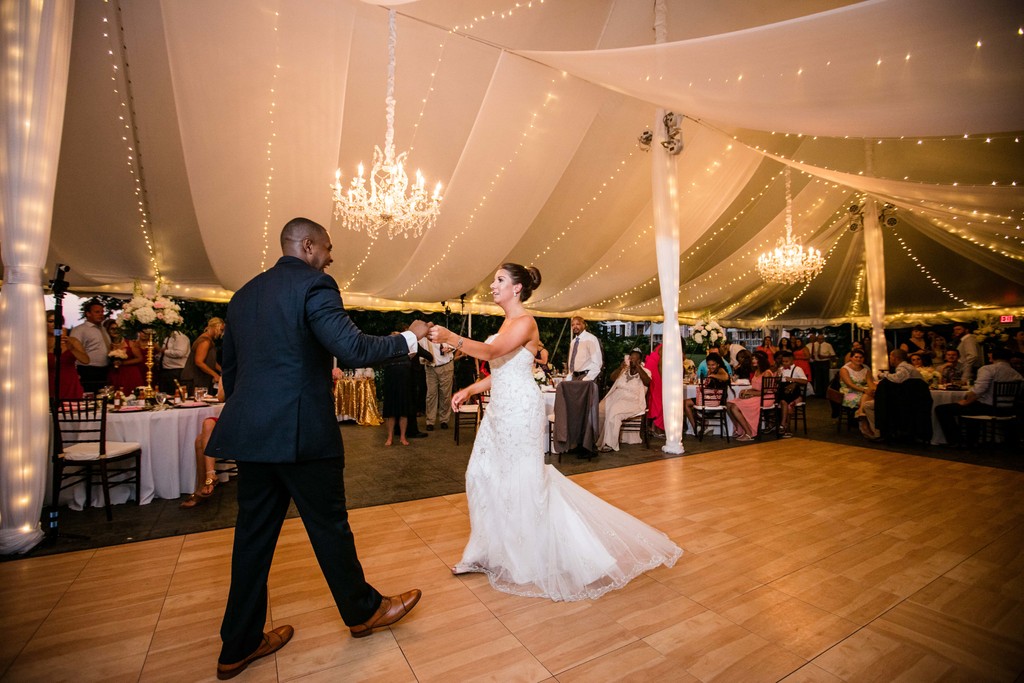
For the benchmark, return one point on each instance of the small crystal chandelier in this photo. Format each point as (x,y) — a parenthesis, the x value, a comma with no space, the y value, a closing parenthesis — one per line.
(389,202)
(789,262)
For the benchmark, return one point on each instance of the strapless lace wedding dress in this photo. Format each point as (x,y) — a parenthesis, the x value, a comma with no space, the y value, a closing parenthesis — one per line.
(534,532)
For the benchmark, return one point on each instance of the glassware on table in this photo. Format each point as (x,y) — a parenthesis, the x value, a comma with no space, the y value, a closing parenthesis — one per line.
(161,399)
(200,393)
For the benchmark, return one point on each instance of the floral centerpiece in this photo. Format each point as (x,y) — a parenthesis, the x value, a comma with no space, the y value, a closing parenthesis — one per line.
(707,333)
(989,332)
(159,315)
(540,376)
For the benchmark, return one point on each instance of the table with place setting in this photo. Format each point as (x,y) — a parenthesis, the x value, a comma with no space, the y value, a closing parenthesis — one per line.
(167,436)
(942,397)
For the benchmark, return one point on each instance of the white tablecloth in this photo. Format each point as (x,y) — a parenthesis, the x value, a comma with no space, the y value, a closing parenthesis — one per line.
(938,399)
(168,453)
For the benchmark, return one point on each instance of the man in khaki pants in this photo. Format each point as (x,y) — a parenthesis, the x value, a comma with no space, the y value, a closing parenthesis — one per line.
(440,372)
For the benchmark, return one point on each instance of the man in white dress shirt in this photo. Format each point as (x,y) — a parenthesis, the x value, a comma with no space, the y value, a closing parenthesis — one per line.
(980,400)
(96,341)
(173,355)
(970,356)
(585,359)
(440,372)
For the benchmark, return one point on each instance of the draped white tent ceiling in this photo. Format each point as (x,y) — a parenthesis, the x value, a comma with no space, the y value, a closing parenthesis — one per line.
(529,113)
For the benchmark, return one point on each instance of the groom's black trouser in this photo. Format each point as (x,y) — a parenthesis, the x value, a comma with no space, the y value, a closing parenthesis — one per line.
(264,491)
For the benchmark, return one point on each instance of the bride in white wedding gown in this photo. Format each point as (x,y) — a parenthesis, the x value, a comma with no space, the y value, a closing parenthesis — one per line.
(533,531)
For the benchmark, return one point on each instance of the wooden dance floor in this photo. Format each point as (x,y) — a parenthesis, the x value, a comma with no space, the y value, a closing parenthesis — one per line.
(805,561)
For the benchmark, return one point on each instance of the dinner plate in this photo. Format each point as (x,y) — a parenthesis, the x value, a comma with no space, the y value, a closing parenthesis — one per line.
(191,404)
(130,409)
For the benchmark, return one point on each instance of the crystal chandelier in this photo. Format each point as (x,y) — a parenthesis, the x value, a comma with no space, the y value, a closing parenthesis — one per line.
(389,202)
(789,262)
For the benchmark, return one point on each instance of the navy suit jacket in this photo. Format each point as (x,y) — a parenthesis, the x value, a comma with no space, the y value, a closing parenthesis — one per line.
(283,329)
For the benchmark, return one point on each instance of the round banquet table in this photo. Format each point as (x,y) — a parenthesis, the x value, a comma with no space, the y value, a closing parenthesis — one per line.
(168,462)
(940,397)
(355,398)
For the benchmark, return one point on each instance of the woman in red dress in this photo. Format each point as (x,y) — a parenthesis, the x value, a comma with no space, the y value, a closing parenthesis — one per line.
(128,372)
(654,408)
(71,350)
(801,357)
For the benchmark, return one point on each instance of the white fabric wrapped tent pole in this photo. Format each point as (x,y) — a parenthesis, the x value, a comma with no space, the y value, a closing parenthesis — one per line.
(33,80)
(665,198)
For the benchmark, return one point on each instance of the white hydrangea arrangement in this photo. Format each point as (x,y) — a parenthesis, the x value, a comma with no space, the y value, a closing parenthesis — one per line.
(707,333)
(159,314)
(989,331)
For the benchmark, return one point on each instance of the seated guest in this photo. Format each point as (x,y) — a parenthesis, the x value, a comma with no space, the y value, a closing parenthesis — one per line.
(206,467)
(792,379)
(716,378)
(951,372)
(902,371)
(702,369)
(922,360)
(71,351)
(627,398)
(980,400)
(856,346)
(744,366)
(745,409)
(855,380)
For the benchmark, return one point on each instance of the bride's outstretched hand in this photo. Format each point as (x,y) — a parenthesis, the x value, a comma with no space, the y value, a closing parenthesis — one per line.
(459,397)
(439,334)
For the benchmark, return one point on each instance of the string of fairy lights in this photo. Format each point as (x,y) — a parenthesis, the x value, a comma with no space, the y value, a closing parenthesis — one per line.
(858,292)
(113,31)
(497,176)
(928,275)
(269,148)
(499,14)
(577,220)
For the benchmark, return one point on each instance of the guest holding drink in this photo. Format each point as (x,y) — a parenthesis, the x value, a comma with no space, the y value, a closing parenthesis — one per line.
(951,372)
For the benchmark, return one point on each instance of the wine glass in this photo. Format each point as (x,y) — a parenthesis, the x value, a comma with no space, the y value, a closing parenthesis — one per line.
(161,399)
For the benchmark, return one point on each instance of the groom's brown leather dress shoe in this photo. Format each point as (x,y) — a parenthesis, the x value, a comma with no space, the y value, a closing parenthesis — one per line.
(272,642)
(391,610)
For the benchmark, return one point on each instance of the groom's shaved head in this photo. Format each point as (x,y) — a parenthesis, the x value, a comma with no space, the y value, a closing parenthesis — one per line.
(298,229)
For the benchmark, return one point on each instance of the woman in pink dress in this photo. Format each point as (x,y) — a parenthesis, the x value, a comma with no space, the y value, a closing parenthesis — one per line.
(745,409)
(801,357)
(71,350)
(654,409)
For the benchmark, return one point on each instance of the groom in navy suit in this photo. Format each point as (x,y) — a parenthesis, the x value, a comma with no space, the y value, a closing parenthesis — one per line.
(283,328)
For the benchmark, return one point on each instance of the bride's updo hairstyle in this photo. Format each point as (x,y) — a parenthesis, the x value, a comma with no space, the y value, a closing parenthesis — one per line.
(529,278)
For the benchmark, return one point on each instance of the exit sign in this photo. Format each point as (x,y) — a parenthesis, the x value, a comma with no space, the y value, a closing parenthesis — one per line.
(1006,318)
